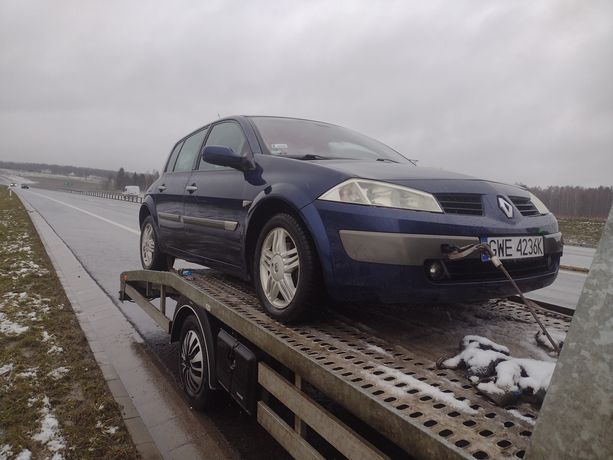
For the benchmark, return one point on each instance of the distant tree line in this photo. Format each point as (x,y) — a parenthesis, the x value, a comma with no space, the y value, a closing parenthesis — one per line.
(123,178)
(57,169)
(571,201)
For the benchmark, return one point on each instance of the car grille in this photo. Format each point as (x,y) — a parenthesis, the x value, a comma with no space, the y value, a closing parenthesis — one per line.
(468,270)
(461,203)
(525,206)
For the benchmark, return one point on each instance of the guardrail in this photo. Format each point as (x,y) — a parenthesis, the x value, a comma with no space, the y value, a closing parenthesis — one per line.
(109,195)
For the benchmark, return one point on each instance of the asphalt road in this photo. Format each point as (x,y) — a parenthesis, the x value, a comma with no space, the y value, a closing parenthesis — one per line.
(104,236)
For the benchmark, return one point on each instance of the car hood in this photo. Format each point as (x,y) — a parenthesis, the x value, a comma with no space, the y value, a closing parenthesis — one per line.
(431,180)
(387,171)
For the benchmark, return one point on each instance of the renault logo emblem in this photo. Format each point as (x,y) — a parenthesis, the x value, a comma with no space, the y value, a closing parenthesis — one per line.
(506,207)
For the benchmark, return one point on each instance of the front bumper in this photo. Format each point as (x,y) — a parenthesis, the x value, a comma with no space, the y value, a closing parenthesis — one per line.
(380,254)
(414,249)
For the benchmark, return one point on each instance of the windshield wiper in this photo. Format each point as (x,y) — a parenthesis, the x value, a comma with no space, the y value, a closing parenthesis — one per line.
(387,159)
(311,156)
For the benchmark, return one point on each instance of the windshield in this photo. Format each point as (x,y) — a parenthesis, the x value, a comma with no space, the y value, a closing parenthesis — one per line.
(314,140)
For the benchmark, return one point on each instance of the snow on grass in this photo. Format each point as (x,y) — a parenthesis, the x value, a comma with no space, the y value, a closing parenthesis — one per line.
(30,373)
(9,327)
(426,389)
(24,455)
(46,337)
(5,452)
(111,430)
(58,373)
(49,434)
(6,369)
(55,349)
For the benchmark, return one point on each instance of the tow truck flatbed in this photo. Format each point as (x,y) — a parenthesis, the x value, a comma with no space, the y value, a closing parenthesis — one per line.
(376,362)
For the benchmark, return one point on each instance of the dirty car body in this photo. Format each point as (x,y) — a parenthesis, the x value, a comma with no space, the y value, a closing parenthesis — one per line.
(379,224)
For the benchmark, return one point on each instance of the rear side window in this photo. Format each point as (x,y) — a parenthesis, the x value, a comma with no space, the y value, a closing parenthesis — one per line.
(189,152)
(173,157)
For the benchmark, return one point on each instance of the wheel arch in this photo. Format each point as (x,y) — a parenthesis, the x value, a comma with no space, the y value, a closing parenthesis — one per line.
(185,309)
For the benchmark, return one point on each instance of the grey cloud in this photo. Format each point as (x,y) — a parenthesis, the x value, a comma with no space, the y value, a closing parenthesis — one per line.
(517,92)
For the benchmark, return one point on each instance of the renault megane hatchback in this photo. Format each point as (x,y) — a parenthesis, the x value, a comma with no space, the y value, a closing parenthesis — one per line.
(304,208)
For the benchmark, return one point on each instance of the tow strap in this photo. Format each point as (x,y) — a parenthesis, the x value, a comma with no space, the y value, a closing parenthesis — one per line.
(455,253)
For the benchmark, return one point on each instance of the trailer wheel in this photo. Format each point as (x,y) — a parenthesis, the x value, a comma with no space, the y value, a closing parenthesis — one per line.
(194,364)
(151,257)
(286,270)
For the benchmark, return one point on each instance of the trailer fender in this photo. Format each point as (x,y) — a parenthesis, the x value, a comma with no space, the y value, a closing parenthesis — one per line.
(209,329)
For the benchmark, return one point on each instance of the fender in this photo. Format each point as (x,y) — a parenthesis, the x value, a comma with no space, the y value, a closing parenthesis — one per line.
(209,331)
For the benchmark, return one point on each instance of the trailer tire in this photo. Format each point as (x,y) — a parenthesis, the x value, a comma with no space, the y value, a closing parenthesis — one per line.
(151,256)
(194,365)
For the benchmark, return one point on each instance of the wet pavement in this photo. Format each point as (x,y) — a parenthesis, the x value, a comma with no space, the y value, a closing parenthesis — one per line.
(103,235)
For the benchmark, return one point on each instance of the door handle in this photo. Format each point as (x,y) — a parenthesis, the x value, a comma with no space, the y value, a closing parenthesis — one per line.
(162,187)
(191,188)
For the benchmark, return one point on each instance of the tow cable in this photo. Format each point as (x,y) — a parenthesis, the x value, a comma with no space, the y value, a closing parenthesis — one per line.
(454,253)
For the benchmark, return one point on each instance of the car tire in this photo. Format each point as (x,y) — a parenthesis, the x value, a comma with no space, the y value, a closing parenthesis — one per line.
(287,277)
(194,364)
(151,257)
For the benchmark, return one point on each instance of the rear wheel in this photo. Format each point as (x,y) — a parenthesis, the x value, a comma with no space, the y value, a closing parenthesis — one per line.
(151,257)
(194,365)
(286,269)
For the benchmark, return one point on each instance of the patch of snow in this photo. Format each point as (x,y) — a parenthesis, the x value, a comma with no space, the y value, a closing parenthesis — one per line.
(50,435)
(30,373)
(6,369)
(557,336)
(111,430)
(23,296)
(99,424)
(516,413)
(46,336)
(8,327)
(5,452)
(428,390)
(377,349)
(24,455)
(55,349)
(32,401)
(58,373)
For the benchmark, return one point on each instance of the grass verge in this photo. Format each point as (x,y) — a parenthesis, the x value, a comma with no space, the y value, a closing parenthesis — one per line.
(581,231)
(54,401)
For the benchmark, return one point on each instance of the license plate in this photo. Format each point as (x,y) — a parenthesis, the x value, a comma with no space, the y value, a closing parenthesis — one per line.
(514,247)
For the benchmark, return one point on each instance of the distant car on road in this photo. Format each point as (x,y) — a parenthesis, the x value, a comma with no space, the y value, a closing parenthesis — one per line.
(302,207)
(25,186)
(12,184)
(131,190)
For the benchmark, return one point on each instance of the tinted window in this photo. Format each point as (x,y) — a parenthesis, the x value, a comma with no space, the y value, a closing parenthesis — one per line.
(227,134)
(191,149)
(173,157)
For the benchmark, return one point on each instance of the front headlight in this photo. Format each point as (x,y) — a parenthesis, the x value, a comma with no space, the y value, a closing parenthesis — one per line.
(538,204)
(368,192)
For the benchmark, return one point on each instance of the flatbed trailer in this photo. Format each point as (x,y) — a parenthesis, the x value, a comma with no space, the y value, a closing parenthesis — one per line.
(388,397)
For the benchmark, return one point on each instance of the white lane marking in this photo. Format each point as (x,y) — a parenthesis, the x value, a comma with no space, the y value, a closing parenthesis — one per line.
(131,230)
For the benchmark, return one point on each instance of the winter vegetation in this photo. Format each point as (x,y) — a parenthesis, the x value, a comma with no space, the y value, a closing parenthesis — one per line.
(54,400)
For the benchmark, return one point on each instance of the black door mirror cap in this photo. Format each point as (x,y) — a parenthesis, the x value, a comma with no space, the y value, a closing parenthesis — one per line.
(225,156)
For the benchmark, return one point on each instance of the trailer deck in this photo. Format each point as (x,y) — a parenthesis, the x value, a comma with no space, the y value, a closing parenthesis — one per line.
(378,362)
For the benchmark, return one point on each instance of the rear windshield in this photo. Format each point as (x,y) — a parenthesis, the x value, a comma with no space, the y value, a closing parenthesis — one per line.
(297,138)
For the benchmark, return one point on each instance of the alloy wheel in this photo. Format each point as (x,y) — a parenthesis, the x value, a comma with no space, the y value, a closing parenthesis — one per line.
(279,267)
(191,362)
(148,245)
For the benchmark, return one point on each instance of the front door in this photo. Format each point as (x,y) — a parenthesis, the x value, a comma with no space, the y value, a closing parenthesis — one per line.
(214,209)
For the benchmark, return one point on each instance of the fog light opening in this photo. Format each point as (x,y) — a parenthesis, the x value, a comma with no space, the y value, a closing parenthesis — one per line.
(435,270)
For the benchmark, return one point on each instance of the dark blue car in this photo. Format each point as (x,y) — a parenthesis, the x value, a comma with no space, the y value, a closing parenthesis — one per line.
(304,209)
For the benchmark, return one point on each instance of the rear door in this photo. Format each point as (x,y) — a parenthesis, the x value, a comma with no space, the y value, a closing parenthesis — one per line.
(214,209)
(171,191)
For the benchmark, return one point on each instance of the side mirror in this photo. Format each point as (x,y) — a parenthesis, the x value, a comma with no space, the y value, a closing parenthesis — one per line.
(224,156)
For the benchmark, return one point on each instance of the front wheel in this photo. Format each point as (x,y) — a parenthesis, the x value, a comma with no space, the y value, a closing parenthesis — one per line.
(151,257)
(286,269)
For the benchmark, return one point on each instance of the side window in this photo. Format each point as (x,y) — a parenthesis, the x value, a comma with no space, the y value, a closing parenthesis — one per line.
(173,157)
(226,134)
(191,149)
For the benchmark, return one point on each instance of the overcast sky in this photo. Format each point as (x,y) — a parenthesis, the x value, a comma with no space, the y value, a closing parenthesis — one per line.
(515,91)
